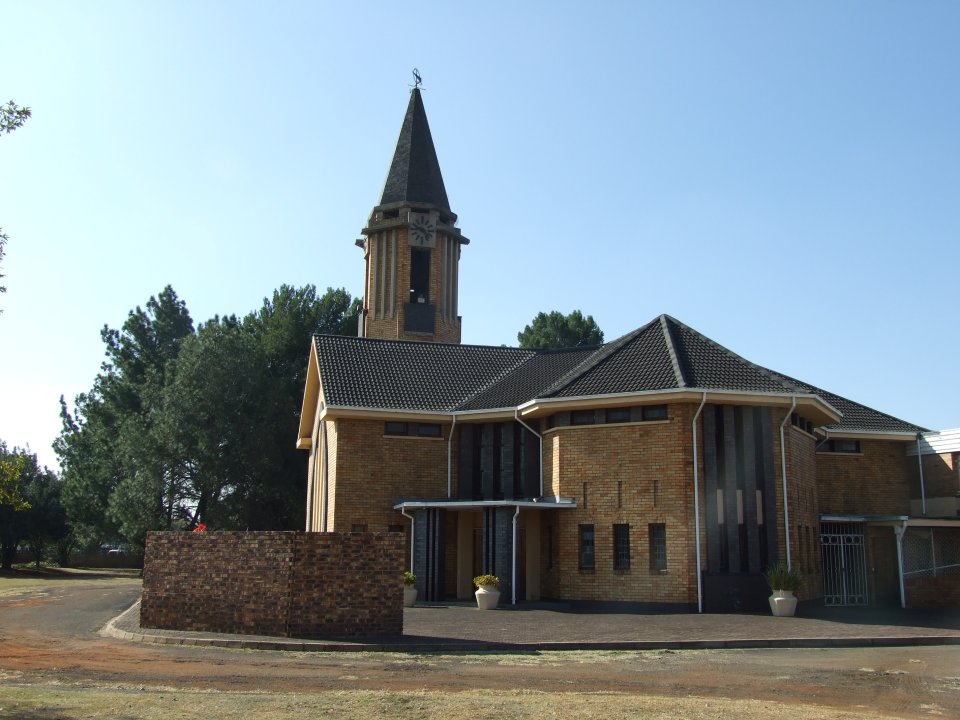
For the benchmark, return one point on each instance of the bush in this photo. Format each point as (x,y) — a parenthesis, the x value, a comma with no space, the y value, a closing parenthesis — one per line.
(487,580)
(780,577)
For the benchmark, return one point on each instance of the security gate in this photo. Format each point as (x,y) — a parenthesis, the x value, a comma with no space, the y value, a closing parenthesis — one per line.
(844,563)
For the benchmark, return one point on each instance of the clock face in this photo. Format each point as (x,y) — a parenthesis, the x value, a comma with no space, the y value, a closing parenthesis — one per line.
(423,230)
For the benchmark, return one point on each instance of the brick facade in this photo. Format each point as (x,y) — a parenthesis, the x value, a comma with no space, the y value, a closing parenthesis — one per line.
(372,471)
(388,284)
(634,474)
(289,584)
(874,481)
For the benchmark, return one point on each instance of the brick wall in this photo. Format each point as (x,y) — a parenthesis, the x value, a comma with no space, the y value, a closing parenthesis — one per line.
(383,267)
(633,474)
(804,513)
(289,584)
(374,470)
(942,591)
(874,481)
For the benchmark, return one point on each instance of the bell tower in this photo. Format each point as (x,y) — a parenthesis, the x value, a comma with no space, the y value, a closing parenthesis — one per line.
(411,244)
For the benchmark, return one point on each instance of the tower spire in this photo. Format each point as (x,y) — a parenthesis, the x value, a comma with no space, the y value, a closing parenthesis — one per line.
(411,244)
(415,175)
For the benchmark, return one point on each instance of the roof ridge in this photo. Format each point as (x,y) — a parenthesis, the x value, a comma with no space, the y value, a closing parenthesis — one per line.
(672,350)
(596,358)
(766,372)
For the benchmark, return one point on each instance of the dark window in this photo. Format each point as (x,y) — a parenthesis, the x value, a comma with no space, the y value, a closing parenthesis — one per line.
(621,546)
(549,547)
(412,429)
(655,412)
(428,430)
(618,415)
(396,428)
(839,445)
(583,417)
(658,546)
(395,528)
(358,527)
(587,561)
(419,275)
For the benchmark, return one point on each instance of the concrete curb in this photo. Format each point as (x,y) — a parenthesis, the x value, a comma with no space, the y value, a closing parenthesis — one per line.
(111,629)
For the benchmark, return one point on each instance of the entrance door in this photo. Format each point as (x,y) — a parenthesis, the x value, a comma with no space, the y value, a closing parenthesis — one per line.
(844,564)
(886,574)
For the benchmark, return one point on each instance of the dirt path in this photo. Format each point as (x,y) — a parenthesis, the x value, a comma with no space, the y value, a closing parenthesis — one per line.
(48,637)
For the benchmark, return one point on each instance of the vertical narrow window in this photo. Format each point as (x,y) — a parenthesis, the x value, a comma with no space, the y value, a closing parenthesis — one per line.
(584,496)
(658,546)
(621,546)
(619,493)
(550,547)
(419,275)
(587,556)
(656,491)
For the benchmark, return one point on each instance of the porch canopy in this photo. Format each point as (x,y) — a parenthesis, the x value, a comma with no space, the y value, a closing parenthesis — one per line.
(920,553)
(541,503)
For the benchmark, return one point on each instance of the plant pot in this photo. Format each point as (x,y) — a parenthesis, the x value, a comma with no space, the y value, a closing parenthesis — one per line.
(409,596)
(487,597)
(783,603)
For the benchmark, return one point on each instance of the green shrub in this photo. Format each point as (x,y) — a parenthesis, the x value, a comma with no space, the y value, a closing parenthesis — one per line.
(487,580)
(780,577)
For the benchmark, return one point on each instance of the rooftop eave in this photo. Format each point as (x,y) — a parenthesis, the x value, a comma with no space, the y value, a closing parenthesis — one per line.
(898,436)
(814,407)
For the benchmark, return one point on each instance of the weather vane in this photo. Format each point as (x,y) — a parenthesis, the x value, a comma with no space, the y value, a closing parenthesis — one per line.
(417,80)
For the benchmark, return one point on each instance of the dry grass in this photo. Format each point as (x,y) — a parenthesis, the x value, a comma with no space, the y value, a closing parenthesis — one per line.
(29,580)
(121,703)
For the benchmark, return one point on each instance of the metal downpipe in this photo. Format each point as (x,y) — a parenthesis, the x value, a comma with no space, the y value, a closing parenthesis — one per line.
(450,457)
(513,581)
(412,531)
(696,504)
(783,468)
(516,416)
(923,494)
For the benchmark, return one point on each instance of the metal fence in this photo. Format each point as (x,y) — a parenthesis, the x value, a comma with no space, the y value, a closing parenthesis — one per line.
(928,552)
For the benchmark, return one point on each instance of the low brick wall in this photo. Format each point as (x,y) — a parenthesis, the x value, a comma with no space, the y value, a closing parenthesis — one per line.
(288,584)
(942,591)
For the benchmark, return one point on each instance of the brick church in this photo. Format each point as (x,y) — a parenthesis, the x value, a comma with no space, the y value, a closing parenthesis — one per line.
(660,469)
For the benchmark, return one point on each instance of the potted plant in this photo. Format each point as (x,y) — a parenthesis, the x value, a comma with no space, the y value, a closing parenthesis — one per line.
(488,591)
(409,589)
(783,581)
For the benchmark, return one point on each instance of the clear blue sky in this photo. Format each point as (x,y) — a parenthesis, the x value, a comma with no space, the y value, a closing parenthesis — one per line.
(782,177)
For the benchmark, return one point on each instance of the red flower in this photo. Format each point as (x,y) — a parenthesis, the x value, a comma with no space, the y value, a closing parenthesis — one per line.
(201,527)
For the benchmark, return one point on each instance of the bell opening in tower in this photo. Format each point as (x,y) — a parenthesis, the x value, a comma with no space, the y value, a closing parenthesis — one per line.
(419,275)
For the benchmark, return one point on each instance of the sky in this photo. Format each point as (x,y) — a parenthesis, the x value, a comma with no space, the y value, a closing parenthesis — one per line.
(782,177)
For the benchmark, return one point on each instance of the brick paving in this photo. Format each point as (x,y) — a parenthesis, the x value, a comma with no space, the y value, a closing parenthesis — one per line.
(450,627)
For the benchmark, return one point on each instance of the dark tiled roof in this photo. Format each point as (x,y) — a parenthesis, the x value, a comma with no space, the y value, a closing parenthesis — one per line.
(385,374)
(414,175)
(857,417)
(664,354)
(528,380)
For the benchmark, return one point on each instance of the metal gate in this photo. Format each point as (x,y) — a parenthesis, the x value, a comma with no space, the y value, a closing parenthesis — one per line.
(844,563)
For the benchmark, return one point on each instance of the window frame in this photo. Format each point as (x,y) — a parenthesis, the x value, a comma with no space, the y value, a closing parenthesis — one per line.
(587,550)
(621,546)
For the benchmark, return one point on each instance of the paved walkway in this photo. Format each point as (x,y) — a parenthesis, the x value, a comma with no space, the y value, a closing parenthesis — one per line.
(459,627)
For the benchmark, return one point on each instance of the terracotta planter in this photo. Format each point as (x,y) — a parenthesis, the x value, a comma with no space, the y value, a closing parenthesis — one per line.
(487,597)
(783,603)
(409,596)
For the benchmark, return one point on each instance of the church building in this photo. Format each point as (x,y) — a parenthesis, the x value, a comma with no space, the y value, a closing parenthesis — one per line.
(660,469)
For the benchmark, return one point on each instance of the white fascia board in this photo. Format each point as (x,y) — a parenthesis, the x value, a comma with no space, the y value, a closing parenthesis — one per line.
(475,504)
(871,435)
(739,397)
(333,412)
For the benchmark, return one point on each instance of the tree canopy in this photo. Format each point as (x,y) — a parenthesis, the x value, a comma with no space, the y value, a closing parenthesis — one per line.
(187,425)
(556,330)
(33,512)
(11,117)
